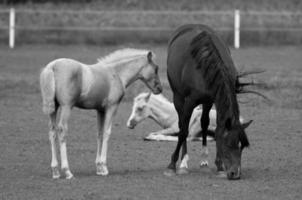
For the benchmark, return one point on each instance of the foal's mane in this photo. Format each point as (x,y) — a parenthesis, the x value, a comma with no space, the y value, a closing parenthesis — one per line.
(123,55)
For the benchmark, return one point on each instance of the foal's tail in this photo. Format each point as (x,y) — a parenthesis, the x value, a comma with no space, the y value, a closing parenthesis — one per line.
(47,84)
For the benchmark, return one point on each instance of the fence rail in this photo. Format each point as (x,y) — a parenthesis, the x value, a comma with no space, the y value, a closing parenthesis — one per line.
(236,15)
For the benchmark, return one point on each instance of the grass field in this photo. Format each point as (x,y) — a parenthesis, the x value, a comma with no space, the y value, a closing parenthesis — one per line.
(271,167)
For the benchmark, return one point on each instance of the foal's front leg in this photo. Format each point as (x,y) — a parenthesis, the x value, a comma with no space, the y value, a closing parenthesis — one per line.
(165,132)
(104,126)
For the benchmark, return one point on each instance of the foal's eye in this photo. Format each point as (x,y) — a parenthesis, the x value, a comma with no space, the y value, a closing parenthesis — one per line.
(140,109)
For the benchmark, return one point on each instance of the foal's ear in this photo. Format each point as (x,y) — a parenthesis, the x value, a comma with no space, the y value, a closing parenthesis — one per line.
(149,56)
(148,97)
(246,124)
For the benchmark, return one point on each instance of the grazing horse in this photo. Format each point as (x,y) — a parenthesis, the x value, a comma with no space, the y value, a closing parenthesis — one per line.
(162,111)
(201,71)
(67,83)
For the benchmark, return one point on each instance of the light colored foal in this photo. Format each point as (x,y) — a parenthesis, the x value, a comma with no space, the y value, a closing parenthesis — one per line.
(67,83)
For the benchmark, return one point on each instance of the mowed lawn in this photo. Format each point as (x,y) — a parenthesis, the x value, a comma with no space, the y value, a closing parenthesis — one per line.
(271,167)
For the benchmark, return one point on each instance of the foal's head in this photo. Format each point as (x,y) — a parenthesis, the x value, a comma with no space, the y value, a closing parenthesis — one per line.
(149,75)
(234,141)
(140,110)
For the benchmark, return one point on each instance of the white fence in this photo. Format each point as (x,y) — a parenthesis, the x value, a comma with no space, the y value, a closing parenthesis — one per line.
(227,17)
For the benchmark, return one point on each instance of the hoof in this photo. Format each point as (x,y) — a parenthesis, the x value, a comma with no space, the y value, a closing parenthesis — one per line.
(55,173)
(56,176)
(102,173)
(221,174)
(68,174)
(182,171)
(101,169)
(69,177)
(204,163)
(169,172)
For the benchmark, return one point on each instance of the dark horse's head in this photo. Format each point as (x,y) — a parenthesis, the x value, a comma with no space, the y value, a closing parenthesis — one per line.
(234,136)
(234,140)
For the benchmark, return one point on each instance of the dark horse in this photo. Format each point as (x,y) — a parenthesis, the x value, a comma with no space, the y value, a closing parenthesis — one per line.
(201,71)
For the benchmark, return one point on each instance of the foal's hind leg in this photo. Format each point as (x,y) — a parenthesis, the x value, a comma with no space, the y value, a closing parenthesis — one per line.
(204,122)
(62,132)
(52,138)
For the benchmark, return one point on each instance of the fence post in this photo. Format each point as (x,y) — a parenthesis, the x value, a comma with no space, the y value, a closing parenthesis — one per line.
(12,28)
(236,29)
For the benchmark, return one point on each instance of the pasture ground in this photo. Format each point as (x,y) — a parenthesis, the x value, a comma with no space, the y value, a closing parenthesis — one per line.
(271,167)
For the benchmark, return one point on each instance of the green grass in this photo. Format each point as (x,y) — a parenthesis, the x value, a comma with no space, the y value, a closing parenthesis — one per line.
(271,167)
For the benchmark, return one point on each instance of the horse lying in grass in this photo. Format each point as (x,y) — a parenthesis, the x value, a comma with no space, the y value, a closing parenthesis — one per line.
(162,111)
(67,83)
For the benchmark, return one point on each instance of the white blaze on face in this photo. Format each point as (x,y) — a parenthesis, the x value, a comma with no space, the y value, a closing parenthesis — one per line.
(130,119)
(139,112)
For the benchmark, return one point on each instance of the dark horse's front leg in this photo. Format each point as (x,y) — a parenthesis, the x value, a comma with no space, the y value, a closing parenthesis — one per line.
(204,122)
(184,110)
(218,160)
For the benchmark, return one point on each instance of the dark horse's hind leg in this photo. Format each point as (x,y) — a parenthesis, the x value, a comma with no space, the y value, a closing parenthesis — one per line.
(204,122)
(184,110)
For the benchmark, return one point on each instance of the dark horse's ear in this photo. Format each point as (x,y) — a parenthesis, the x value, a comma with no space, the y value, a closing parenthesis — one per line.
(149,56)
(246,124)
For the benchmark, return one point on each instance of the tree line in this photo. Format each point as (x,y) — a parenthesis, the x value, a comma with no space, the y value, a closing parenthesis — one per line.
(8,2)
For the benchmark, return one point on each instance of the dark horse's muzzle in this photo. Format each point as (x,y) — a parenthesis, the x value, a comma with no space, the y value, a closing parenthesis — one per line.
(234,174)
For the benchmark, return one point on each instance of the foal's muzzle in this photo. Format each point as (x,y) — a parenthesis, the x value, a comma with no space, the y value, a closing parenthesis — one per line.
(155,86)
(131,124)
(157,90)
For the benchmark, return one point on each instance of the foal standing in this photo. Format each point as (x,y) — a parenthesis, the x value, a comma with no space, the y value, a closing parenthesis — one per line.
(67,83)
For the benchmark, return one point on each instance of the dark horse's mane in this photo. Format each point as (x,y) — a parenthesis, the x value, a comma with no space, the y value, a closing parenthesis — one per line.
(223,51)
(213,58)
(218,71)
